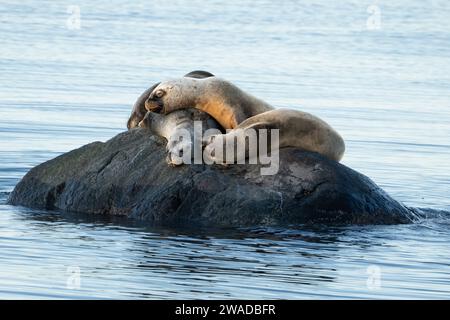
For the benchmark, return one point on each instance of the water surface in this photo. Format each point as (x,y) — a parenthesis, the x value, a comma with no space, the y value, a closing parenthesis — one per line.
(384,90)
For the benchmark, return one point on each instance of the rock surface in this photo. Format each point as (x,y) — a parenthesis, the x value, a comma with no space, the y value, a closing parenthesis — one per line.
(128,176)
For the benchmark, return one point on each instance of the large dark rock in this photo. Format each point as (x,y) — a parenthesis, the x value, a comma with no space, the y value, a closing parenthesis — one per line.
(128,176)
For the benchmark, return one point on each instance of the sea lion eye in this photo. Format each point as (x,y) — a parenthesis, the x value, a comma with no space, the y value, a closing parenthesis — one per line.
(160,93)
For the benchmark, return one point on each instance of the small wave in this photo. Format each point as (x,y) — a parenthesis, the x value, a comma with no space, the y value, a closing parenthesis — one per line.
(4,196)
(429,213)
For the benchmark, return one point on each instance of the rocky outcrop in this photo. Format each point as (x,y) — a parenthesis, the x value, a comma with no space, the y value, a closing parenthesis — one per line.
(128,176)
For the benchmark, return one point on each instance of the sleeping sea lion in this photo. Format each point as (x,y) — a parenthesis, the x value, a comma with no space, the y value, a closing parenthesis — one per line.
(235,109)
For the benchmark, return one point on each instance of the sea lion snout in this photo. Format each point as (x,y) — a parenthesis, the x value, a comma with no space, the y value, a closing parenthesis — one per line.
(151,119)
(153,104)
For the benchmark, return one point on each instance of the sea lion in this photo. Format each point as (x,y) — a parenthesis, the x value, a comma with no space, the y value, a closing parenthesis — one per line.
(180,124)
(138,112)
(236,109)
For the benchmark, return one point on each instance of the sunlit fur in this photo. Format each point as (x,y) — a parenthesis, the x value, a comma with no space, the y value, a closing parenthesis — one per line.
(234,108)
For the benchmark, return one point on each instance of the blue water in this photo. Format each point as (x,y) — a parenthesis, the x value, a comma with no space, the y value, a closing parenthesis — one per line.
(385,89)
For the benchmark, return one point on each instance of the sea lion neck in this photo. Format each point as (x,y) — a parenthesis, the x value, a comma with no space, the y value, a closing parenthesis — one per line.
(218,108)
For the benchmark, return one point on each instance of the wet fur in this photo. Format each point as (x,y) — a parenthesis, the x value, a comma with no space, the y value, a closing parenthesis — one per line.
(169,127)
(236,109)
(138,112)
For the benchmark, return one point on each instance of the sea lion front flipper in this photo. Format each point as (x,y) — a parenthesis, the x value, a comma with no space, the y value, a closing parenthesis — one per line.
(249,135)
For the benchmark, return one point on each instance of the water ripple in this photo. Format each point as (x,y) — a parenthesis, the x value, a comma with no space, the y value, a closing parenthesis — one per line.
(385,91)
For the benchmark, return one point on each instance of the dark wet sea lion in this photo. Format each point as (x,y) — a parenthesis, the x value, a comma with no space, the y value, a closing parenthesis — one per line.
(138,112)
(171,127)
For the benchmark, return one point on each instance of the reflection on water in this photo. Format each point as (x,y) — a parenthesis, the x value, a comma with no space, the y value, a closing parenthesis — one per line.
(118,258)
(385,91)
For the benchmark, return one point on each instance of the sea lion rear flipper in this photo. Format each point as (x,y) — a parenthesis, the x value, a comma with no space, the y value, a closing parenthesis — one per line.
(199,74)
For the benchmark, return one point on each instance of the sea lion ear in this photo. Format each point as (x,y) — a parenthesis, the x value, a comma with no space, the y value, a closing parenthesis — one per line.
(199,74)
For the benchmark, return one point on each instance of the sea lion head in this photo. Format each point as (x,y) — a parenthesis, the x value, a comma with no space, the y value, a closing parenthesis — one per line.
(139,107)
(172,95)
(155,100)
(175,94)
(151,120)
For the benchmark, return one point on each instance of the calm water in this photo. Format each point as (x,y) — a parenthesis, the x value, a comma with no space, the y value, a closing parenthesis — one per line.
(386,90)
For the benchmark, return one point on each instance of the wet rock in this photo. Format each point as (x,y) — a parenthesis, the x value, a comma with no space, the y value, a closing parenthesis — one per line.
(128,176)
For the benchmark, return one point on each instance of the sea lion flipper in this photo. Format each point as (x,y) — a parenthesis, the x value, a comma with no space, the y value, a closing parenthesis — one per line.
(199,74)
(138,113)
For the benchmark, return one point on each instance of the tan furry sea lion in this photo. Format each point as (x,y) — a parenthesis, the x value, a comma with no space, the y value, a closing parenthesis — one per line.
(139,111)
(236,109)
